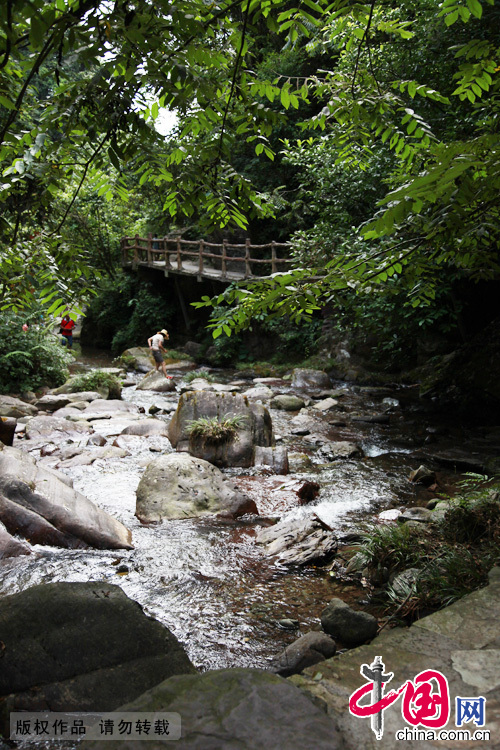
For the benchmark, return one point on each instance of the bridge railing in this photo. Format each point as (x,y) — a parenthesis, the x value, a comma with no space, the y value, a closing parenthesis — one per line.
(203,258)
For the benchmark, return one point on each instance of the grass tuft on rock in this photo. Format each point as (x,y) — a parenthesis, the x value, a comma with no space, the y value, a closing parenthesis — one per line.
(215,430)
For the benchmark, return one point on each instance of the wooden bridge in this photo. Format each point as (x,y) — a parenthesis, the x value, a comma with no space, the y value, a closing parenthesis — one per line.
(224,261)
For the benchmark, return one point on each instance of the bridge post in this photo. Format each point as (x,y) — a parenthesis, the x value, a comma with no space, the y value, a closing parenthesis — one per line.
(224,259)
(148,251)
(248,269)
(135,262)
(274,265)
(179,259)
(200,259)
(166,255)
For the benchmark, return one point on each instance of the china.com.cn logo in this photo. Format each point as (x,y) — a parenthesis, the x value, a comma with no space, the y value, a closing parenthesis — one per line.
(425,700)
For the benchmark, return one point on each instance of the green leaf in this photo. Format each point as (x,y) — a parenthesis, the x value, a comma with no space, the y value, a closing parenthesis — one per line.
(285,97)
(6,102)
(475,8)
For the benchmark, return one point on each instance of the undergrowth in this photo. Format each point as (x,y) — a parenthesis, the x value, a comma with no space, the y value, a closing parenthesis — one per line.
(92,381)
(451,557)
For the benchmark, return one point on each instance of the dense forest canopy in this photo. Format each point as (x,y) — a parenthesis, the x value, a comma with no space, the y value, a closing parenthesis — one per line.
(365,132)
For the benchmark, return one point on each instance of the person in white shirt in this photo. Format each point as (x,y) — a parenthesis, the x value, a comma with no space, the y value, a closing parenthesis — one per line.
(155,343)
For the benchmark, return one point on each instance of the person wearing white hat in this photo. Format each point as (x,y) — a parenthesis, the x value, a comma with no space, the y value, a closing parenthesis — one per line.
(155,343)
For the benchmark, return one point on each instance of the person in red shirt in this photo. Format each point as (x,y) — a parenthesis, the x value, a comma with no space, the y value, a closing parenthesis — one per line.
(66,330)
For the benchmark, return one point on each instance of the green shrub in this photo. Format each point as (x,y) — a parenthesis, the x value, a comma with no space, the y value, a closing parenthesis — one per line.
(394,546)
(453,557)
(190,376)
(92,381)
(30,359)
(213,430)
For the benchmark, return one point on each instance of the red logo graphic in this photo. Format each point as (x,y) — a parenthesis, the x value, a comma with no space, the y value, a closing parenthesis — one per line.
(426,699)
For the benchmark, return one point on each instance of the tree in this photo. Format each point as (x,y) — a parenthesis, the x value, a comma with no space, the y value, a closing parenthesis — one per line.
(439,133)
(81,85)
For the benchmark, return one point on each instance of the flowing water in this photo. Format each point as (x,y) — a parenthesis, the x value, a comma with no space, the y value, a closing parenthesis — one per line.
(207,580)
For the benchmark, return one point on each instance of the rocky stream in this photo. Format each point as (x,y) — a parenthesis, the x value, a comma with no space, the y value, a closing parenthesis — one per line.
(227,598)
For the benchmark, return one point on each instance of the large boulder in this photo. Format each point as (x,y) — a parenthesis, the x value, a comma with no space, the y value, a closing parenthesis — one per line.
(307,650)
(310,379)
(156,381)
(180,486)
(81,647)
(137,358)
(14,407)
(298,541)
(38,504)
(350,626)
(236,709)
(239,450)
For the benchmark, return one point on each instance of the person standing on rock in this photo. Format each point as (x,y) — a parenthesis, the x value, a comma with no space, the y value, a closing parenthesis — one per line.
(155,343)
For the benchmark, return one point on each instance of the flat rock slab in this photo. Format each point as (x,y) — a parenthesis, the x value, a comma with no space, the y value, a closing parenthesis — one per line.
(147,427)
(341,449)
(303,424)
(81,647)
(112,405)
(55,427)
(299,541)
(236,709)
(461,641)
(115,425)
(38,504)
(325,404)
(14,407)
(53,401)
(88,457)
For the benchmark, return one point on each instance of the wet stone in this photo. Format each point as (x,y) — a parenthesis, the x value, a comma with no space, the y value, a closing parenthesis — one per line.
(62,650)
(309,649)
(351,627)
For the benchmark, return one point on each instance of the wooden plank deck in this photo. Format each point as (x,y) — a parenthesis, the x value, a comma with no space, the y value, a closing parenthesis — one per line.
(203,259)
